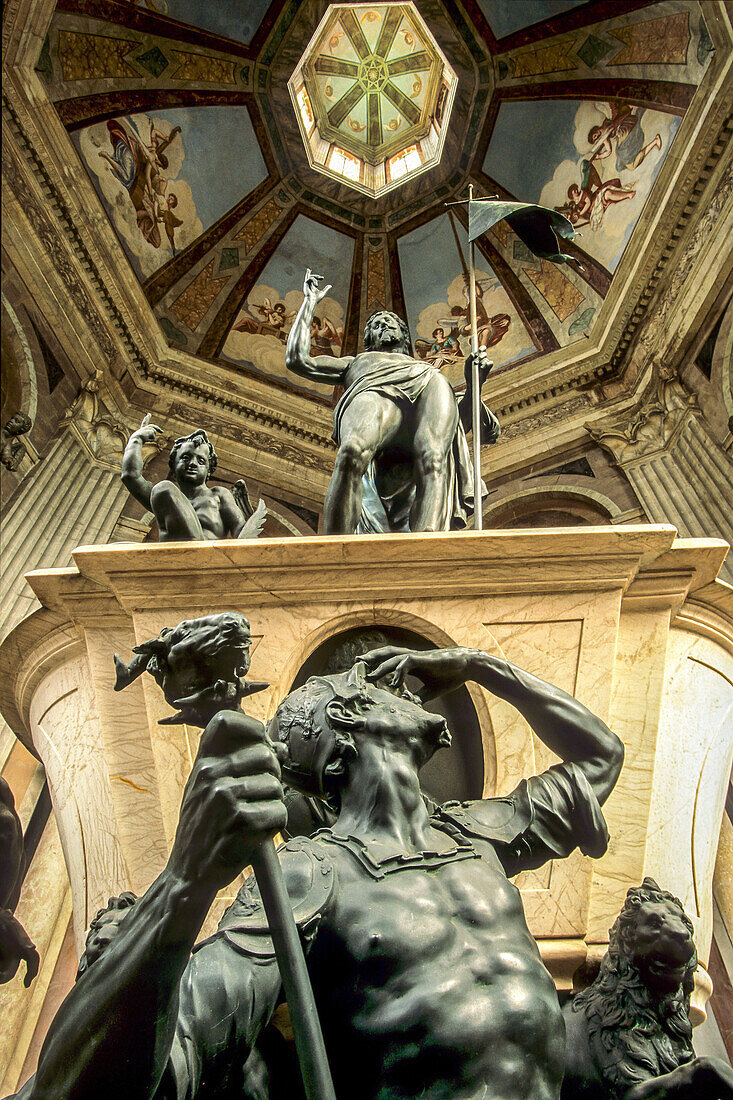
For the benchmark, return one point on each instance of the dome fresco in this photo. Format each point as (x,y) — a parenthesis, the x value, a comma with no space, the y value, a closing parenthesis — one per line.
(187,120)
(373,93)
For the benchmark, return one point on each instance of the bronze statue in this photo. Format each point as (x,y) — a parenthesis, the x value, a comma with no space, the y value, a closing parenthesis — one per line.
(12,447)
(185,507)
(427,979)
(403,462)
(16,945)
(629,1035)
(201,666)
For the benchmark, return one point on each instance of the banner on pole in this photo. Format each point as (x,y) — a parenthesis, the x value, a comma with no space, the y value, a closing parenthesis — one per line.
(537,226)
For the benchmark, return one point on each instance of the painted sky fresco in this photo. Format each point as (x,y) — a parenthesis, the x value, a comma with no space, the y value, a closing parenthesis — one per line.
(257,337)
(437,304)
(506,16)
(165,177)
(237,19)
(594,161)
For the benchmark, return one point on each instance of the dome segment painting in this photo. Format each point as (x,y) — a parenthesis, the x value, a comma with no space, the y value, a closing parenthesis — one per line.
(433,262)
(373,94)
(595,162)
(166,176)
(258,335)
(507,16)
(235,19)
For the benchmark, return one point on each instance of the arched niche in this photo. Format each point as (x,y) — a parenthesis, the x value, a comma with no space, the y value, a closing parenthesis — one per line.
(19,355)
(569,506)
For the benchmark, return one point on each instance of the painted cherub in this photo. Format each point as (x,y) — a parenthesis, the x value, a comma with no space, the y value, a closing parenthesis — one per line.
(186,508)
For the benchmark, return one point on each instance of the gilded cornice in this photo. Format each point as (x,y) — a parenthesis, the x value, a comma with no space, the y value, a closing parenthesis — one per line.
(559,389)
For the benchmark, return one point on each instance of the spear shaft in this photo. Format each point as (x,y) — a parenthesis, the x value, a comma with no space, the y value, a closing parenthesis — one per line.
(294,973)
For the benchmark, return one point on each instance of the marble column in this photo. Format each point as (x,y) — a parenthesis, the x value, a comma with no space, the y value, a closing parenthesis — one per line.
(679,472)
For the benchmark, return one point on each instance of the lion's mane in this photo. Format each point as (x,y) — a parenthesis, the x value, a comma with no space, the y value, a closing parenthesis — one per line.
(632,1034)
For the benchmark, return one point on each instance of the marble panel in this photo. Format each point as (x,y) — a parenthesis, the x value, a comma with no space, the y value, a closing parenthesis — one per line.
(636,698)
(570,642)
(691,769)
(66,732)
(128,755)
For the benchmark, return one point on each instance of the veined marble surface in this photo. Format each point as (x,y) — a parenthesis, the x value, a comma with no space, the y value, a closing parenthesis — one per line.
(588,609)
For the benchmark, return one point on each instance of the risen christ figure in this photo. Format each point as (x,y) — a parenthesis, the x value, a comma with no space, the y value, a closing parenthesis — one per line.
(403,462)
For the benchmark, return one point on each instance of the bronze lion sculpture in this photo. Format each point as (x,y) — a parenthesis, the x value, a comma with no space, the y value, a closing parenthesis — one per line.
(629,1035)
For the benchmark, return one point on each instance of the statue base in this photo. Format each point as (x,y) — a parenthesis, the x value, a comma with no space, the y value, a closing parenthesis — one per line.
(629,619)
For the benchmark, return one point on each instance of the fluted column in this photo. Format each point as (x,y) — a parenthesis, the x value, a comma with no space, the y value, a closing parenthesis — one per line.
(73,497)
(679,472)
(70,501)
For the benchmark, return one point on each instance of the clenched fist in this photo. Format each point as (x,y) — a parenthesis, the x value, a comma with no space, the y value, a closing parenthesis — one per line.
(232,802)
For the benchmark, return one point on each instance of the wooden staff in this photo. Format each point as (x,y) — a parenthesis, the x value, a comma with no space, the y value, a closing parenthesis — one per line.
(469,274)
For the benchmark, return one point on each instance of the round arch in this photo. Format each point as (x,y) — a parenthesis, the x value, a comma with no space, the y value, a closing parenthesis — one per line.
(565,505)
(23,347)
(388,620)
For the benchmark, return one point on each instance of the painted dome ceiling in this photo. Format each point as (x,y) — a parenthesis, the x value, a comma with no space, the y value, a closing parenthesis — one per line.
(184,115)
(373,94)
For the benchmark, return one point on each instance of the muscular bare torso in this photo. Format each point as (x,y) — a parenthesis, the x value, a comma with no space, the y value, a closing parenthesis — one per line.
(430,985)
(206,504)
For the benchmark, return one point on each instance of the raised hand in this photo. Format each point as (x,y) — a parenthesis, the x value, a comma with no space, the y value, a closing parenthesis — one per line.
(147,432)
(441,670)
(311,289)
(484,367)
(232,802)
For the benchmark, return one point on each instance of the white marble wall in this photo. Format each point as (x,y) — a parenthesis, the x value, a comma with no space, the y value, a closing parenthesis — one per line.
(589,610)
(691,769)
(68,737)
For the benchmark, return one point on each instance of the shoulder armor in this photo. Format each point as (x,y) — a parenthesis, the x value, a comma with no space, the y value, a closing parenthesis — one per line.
(309,877)
(499,820)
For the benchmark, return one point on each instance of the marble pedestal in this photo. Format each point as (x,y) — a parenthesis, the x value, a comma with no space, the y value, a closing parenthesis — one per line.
(627,618)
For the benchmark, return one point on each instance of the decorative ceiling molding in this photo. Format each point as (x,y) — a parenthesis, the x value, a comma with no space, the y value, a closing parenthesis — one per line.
(532,395)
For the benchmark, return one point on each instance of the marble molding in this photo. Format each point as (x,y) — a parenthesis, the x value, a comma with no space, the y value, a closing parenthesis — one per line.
(628,618)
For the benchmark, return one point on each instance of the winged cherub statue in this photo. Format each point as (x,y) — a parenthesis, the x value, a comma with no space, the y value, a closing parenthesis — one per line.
(186,508)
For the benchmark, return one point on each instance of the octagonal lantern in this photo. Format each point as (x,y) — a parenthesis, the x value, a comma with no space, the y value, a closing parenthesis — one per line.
(373,94)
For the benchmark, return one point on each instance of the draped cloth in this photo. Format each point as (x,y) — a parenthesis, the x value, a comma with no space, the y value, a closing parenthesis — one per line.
(388,486)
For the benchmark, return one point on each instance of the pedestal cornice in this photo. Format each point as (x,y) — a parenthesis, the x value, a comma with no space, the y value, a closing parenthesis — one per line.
(369,567)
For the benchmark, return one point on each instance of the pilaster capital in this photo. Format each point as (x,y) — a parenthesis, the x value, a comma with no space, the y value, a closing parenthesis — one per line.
(654,426)
(98,427)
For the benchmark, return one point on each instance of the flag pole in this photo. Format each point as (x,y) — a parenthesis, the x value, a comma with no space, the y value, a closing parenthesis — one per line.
(475,383)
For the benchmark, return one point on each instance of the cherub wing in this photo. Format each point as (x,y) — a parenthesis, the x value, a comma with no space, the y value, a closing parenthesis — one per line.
(422,347)
(253,527)
(241,497)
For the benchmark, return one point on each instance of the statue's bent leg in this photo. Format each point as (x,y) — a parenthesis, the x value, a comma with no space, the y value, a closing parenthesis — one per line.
(436,420)
(174,512)
(369,423)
